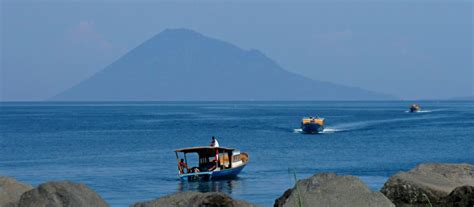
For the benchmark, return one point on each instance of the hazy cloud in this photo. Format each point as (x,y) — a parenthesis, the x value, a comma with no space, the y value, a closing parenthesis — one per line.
(85,33)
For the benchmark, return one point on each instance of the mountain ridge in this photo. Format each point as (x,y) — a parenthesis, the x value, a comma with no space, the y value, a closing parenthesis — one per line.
(181,64)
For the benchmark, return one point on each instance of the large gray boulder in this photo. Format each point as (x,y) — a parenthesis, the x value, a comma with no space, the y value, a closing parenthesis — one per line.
(460,196)
(195,199)
(61,194)
(329,189)
(11,190)
(427,183)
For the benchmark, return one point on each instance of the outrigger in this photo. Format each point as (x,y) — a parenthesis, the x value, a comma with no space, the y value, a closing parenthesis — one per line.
(214,163)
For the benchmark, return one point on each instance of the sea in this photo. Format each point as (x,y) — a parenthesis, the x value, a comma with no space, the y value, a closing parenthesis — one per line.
(125,150)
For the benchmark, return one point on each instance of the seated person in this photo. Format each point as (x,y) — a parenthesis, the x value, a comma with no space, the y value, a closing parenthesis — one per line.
(195,170)
(182,165)
(213,165)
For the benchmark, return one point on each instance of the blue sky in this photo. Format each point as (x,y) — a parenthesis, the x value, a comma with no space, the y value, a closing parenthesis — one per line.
(413,50)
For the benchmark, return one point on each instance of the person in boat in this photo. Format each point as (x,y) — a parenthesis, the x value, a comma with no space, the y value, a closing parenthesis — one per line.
(195,170)
(214,142)
(214,165)
(182,165)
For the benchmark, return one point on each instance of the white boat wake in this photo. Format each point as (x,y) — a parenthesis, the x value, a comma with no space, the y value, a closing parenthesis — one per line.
(325,131)
(351,126)
(421,111)
(331,130)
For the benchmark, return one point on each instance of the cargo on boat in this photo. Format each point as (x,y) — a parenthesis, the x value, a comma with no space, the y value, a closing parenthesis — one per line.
(415,108)
(312,125)
(212,163)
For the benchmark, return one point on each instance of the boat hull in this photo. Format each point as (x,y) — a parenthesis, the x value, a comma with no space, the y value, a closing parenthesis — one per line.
(312,128)
(414,108)
(214,175)
(228,173)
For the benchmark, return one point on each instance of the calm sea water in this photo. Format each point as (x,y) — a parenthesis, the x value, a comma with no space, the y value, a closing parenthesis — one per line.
(124,151)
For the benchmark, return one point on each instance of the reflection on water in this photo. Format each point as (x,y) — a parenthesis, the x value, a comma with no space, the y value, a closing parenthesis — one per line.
(224,186)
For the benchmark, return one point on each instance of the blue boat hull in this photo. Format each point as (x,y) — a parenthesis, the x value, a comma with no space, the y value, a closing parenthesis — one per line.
(214,175)
(312,128)
(228,173)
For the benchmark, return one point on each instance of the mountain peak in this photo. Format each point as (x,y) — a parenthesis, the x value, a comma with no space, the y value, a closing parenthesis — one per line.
(181,39)
(181,32)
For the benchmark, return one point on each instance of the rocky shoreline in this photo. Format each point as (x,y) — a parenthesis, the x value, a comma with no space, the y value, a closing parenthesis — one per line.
(424,185)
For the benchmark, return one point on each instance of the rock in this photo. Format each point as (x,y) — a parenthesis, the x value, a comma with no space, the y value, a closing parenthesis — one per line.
(11,190)
(58,194)
(194,199)
(329,189)
(427,183)
(460,196)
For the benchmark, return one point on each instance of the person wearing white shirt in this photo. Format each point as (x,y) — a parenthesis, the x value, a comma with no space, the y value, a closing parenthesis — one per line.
(214,142)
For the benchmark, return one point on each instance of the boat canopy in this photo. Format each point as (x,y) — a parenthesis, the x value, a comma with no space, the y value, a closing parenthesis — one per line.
(317,120)
(313,117)
(204,150)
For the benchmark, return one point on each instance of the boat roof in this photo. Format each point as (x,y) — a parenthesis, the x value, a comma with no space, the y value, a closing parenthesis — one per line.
(313,117)
(203,149)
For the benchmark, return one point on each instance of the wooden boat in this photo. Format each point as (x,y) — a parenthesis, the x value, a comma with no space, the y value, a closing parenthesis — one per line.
(230,162)
(312,125)
(415,108)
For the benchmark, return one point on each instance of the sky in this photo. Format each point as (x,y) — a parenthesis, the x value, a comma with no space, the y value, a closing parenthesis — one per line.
(409,49)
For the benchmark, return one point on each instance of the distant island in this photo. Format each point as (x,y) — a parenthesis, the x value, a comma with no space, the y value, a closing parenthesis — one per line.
(183,65)
(464,98)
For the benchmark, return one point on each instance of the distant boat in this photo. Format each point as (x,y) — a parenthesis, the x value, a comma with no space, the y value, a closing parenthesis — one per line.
(312,125)
(415,108)
(230,162)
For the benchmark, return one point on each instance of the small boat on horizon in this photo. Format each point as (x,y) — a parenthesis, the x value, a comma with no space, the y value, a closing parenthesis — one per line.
(213,163)
(312,125)
(415,108)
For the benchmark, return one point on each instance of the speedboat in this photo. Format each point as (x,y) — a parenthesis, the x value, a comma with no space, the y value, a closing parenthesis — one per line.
(415,108)
(213,162)
(312,125)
